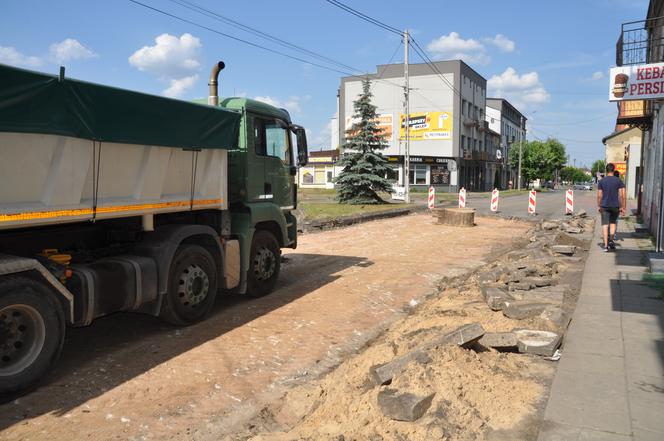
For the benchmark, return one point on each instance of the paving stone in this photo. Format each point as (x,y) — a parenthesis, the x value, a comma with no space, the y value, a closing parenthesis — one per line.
(549,225)
(403,406)
(536,342)
(523,309)
(573,230)
(499,340)
(520,286)
(463,336)
(495,297)
(563,249)
(582,213)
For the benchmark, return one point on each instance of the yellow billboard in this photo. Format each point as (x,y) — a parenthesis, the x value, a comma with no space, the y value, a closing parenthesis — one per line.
(427,126)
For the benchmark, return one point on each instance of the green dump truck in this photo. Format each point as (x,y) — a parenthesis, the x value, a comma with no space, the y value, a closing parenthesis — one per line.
(113,200)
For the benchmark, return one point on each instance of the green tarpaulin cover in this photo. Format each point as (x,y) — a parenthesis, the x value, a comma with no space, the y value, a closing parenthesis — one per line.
(32,102)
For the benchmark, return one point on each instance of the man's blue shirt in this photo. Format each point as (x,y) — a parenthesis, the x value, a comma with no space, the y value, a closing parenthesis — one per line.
(610,186)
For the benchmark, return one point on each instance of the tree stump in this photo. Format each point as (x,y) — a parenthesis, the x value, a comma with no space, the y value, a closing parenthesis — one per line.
(460,217)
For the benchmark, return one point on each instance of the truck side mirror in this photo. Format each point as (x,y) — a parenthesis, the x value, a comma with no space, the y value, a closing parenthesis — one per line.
(302,153)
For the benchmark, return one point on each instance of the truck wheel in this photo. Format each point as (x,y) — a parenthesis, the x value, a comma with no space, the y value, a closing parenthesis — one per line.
(32,332)
(264,264)
(192,286)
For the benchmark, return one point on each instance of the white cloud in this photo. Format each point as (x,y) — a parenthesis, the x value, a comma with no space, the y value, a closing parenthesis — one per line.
(69,49)
(293,104)
(174,60)
(503,43)
(178,87)
(170,57)
(599,75)
(523,91)
(9,55)
(453,47)
(322,138)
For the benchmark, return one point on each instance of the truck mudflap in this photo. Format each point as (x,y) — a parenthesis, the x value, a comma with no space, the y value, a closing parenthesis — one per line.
(15,265)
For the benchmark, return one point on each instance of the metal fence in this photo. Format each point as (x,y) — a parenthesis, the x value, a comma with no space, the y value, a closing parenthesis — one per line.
(641,42)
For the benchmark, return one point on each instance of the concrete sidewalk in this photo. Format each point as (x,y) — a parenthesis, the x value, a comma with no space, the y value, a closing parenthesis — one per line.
(610,380)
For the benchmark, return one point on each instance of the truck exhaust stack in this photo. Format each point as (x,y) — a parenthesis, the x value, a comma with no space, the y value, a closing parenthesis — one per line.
(213,99)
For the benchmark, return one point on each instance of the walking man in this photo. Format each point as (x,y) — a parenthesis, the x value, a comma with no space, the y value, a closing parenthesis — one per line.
(611,201)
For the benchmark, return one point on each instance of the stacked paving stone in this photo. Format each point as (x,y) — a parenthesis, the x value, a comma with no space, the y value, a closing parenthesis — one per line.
(526,284)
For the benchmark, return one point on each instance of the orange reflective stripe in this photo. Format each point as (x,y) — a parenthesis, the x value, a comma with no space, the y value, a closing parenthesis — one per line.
(103,209)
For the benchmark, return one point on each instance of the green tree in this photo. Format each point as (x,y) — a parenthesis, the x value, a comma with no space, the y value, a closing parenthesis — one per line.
(364,167)
(573,174)
(598,166)
(540,159)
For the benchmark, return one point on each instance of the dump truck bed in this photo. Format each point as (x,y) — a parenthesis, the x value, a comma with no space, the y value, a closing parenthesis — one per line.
(72,151)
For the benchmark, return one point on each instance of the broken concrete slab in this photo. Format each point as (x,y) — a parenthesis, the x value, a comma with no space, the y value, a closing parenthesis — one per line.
(489,276)
(520,286)
(403,406)
(555,317)
(551,294)
(563,249)
(582,213)
(549,225)
(463,336)
(538,281)
(499,340)
(494,297)
(523,309)
(537,342)
(573,230)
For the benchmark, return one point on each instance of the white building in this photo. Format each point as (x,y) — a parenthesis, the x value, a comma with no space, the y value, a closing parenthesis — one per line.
(504,119)
(447,146)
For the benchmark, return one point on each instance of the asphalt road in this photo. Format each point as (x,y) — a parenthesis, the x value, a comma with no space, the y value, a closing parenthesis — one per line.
(550,204)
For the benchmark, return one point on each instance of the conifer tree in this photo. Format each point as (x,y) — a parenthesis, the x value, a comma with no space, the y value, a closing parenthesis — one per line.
(364,167)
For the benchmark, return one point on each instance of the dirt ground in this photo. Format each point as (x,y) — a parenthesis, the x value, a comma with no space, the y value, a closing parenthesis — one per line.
(131,377)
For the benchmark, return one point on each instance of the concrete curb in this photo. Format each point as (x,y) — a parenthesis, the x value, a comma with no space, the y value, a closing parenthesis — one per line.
(344,221)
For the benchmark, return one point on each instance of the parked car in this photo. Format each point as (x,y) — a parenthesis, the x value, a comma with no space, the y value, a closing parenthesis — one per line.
(583,186)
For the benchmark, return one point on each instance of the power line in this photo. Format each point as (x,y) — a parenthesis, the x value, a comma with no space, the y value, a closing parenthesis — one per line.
(365,17)
(216,16)
(240,39)
(563,139)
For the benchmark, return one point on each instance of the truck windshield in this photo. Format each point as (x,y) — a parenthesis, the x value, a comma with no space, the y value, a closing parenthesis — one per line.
(273,139)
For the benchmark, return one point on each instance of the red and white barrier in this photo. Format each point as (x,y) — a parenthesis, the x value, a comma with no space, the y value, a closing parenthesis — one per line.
(569,202)
(532,202)
(494,200)
(432,197)
(462,198)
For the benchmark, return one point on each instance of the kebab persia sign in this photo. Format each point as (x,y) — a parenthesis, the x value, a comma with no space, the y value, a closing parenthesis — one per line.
(638,82)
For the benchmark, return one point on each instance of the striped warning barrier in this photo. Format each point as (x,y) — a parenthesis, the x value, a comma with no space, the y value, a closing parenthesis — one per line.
(462,198)
(532,202)
(569,202)
(432,197)
(494,200)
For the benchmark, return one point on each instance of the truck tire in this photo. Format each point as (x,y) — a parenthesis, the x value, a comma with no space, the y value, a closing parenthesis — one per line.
(32,333)
(264,264)
(192,286)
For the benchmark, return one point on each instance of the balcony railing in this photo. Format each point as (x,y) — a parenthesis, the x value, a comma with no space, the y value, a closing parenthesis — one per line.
(641,42)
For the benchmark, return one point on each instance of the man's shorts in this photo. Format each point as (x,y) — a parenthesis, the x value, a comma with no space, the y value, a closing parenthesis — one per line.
(610,215)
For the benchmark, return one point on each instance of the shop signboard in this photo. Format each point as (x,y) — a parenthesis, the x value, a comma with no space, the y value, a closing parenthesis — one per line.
(637,82)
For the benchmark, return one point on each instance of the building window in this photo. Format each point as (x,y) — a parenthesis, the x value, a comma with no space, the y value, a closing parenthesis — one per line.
(463,142)
(319,175)
(418,174)
(463,107)
(480,146)
(474,144)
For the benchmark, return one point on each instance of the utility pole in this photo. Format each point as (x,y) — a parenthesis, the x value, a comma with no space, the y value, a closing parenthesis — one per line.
(406,157)
(523,135)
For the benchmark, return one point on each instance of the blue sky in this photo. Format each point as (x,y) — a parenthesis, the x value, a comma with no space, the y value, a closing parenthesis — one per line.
(549,58)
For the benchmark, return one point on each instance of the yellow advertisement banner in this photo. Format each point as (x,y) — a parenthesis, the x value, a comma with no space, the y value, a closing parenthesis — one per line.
(427,126)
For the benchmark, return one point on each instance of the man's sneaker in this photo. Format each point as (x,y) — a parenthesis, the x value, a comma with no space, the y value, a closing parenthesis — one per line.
(612,245)
(606,249)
